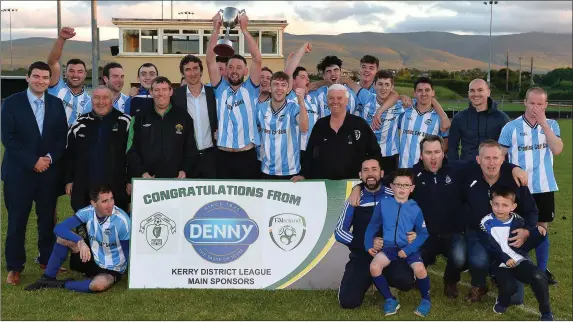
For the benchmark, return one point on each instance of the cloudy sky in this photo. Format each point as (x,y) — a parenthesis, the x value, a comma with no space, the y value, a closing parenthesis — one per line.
(38,18)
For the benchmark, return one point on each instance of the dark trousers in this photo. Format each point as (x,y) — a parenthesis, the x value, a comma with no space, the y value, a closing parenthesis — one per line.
(238,165)
(389,164)
(357,279)
(451,246)
(271,177)
(528,273)
(478,259)
(206,164)
(19,194)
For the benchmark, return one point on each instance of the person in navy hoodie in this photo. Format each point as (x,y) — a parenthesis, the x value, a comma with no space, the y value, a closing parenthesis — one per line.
(397,216)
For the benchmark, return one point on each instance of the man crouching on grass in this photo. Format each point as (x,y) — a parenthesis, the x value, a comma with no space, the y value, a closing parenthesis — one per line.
(105,259)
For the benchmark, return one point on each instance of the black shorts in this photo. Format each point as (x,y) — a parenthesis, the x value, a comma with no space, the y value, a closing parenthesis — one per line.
(389,164)
(546,205)
(90,268)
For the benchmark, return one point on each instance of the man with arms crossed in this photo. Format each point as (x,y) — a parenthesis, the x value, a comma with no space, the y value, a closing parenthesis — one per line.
(237,135)
(531,141)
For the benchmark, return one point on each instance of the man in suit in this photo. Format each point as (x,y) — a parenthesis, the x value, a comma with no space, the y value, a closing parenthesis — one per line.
(34,130)
(199,101)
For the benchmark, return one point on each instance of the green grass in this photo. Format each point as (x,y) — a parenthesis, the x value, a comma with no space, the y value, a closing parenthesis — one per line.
(121,303)
(443,93)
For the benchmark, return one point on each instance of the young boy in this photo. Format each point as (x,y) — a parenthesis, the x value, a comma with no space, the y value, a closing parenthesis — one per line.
(513,263)
(397,215)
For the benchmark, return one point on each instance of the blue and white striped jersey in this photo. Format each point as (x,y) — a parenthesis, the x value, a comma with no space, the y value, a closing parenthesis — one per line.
(105,237)
(314,114)
(119,103)
(387,134)
(414,126)
(322,100)
(527,147)
(500,231)
(236,113)
(280,138)
(74,105)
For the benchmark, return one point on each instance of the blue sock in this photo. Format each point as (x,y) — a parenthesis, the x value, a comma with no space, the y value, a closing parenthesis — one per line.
(424,287)
(79,286)
(542,254)
(383,287)
(59,254)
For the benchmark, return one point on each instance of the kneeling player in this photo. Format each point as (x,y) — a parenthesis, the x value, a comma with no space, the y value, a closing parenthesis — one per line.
(397,216)
(105,259)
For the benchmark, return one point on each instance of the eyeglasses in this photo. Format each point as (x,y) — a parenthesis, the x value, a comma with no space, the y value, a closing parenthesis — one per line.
(402,185)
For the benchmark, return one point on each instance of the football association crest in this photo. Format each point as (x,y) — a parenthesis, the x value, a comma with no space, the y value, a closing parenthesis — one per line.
(156,229)
(287,230)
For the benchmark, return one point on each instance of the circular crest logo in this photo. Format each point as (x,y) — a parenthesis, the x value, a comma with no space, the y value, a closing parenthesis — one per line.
(287,230)
(221,232)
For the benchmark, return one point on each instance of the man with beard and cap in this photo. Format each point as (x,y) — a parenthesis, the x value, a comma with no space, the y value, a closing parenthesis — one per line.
(71,90)
(140,98)
(300,80)
(368,68)
(350,231)
(281,122)
(95,153)
(237,135)
(477,123)
(437,179)
(113,78)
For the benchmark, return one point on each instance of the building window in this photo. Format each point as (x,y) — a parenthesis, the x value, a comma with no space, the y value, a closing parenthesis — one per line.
(269,42)
(130,40)
(184,42)
(255,35)
(149,41)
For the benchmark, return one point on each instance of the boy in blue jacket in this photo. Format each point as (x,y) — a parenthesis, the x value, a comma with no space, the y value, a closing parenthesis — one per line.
(513,263)
(397,216)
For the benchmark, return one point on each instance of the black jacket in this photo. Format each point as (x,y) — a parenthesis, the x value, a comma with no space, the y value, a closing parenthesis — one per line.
(439,196)
(472,128)
(332,155)
(83,136)
(179,100)
(162,145)
(476,196)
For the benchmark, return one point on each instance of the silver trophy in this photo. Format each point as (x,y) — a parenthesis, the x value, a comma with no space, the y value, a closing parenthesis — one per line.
(230,18)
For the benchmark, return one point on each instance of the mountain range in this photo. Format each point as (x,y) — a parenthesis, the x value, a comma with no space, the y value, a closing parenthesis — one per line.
(421,50)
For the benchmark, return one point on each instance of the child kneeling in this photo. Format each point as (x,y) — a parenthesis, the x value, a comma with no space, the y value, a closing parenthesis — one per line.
(513,263)
(397,216)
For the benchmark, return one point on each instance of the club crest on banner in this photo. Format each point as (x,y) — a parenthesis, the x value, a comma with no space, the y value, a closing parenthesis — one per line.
(157,229)
(287,231)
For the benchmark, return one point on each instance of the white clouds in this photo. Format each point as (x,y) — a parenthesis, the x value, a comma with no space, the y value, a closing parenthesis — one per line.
(38,18)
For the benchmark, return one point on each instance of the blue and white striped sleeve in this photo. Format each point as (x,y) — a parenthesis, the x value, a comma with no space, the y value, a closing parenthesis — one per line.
(505,136)
(342,232)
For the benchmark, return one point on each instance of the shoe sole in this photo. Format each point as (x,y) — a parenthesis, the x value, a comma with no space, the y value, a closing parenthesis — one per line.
(392,313)
(420,314)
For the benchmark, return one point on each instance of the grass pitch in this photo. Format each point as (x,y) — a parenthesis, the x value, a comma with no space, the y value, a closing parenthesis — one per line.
(121,303)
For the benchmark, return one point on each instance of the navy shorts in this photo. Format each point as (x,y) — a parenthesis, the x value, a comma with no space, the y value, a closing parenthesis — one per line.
(392,254)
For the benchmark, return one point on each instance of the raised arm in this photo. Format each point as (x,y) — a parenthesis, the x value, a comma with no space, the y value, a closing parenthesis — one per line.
(350,84)
(256,58)
(294,61)
(302,117)
(212,67)
(56,53)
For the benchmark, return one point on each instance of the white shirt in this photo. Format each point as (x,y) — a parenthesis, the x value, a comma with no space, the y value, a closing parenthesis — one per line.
(197,108)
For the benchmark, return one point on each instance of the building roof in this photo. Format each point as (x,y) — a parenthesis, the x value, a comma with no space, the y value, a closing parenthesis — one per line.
(168,22)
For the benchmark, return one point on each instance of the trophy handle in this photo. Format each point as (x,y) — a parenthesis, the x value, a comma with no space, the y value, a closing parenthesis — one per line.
(242,12)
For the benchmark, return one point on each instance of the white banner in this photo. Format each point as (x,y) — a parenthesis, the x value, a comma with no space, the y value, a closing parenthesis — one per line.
(222,234)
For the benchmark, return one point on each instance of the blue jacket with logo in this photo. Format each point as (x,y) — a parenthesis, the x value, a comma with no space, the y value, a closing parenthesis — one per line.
(397,220)
(353,221)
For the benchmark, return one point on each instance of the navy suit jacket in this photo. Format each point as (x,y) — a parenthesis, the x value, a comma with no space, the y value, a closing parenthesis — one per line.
(22,140)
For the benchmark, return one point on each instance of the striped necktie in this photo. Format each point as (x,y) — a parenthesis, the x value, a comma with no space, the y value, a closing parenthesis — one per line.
(39,113)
